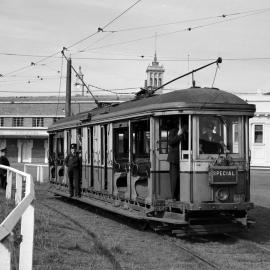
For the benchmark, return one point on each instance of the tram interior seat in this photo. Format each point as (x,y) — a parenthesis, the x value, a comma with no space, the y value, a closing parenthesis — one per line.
(120,175)
(60,174)
(141,171)
(52,172)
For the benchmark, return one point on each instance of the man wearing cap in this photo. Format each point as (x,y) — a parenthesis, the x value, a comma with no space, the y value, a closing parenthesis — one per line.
(175,137)
(72,161)
(3,172)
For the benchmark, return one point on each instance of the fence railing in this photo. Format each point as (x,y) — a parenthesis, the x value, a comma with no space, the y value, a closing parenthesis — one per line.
(39,172)
(23,211)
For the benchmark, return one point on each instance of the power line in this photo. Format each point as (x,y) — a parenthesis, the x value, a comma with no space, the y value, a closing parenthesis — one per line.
(100,29)
(178,31)
(149,58)
(188,20)
(117,17)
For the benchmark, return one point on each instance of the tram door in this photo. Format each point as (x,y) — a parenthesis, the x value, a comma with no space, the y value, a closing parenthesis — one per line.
(160,172)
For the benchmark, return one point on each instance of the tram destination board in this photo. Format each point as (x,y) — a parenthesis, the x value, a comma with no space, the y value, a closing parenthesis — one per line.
(221,175)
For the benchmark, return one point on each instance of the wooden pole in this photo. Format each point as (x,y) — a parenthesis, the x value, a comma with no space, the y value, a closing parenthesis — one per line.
(68,89)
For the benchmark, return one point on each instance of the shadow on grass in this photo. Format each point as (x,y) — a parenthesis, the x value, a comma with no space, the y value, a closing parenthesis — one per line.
(257,233)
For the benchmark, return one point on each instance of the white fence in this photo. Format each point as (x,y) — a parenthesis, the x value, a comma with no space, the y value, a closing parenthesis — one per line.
(23,211)
(40,172)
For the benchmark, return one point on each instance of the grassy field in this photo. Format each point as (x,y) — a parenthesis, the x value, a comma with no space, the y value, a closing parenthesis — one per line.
(72,236)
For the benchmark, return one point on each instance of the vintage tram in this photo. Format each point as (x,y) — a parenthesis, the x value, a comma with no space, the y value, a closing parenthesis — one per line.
(124,167)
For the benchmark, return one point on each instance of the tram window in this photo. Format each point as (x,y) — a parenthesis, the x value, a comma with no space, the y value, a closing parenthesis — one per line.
(88,145)
(102,145)
(121,142)
(165,124)
(60,148)
(258,134)
(141,138)
(219,134)
(163,147)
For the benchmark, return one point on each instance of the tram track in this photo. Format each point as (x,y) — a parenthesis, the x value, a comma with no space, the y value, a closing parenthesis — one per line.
(202,252)
(197,258)
(97,243)
(190,252)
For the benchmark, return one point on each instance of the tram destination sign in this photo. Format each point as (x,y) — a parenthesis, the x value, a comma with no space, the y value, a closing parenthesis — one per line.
(222,175)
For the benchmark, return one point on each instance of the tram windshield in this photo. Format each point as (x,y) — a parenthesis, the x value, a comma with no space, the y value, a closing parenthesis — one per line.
(219,134)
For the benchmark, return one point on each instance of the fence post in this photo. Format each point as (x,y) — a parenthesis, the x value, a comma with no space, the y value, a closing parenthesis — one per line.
(18,194)
(27,231)
(5,257)
(9,185)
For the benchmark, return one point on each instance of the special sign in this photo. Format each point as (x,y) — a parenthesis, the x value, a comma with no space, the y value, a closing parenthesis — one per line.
(223,175)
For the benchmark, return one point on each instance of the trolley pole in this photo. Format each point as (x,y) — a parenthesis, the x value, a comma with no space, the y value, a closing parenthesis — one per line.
(68,89)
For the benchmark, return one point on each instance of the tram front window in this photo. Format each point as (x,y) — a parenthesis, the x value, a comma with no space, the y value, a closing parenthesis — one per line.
(219,134)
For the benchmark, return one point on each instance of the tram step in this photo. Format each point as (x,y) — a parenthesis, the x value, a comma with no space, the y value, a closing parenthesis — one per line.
(208,229)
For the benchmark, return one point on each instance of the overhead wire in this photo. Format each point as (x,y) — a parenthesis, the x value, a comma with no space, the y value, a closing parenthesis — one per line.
(178,31)
(100,29)
(187,20)
(187,29)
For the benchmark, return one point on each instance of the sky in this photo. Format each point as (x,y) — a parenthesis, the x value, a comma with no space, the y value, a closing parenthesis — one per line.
(185,34)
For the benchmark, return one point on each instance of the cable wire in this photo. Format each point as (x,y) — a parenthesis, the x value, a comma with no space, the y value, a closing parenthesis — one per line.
(74,44)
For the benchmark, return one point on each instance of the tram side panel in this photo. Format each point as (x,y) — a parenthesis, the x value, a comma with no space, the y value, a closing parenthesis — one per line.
(96,159)
(85,165)
(109,156)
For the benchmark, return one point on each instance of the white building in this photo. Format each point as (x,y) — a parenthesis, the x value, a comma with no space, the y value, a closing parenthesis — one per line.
(154,74)
(259,128)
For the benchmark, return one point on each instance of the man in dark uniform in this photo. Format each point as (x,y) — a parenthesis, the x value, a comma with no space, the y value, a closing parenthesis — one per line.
(210,142)
(175,136)
(72,161)
(3,172)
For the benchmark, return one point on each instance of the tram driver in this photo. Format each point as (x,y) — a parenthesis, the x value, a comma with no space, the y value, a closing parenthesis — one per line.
(210,141)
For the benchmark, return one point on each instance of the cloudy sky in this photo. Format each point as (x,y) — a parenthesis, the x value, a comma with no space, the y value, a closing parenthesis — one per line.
(33,33)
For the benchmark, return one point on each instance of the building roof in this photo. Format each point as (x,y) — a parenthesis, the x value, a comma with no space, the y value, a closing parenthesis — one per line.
(49,105)
(198,99)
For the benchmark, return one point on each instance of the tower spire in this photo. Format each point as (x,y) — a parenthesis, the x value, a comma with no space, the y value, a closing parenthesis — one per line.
(154,72)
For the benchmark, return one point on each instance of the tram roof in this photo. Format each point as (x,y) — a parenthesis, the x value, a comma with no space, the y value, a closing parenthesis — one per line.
(190,100)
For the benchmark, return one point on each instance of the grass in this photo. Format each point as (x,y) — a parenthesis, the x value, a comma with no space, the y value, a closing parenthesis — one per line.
(61,244)
(12,242)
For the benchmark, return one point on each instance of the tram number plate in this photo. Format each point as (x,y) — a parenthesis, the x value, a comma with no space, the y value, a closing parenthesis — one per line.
(223,175)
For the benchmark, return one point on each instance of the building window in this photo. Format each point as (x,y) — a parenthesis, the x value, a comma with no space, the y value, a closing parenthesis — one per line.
(1,121)
(38,122)
(258,134)
(55,119)
(17,122)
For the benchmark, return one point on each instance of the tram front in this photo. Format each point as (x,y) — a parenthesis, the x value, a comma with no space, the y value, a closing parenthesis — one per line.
(219,181)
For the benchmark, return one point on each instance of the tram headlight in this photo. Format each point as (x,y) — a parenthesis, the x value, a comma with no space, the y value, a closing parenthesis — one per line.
(222,194)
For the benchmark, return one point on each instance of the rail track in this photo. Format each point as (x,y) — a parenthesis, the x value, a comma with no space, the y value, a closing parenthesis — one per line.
(207,264)
(202,252)
(98,244)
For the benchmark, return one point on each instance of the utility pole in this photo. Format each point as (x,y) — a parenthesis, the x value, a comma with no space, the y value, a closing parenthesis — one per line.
(68,89)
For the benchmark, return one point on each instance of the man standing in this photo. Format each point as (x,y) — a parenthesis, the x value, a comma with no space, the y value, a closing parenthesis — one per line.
(175,136)
(3,172)
(72,161)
